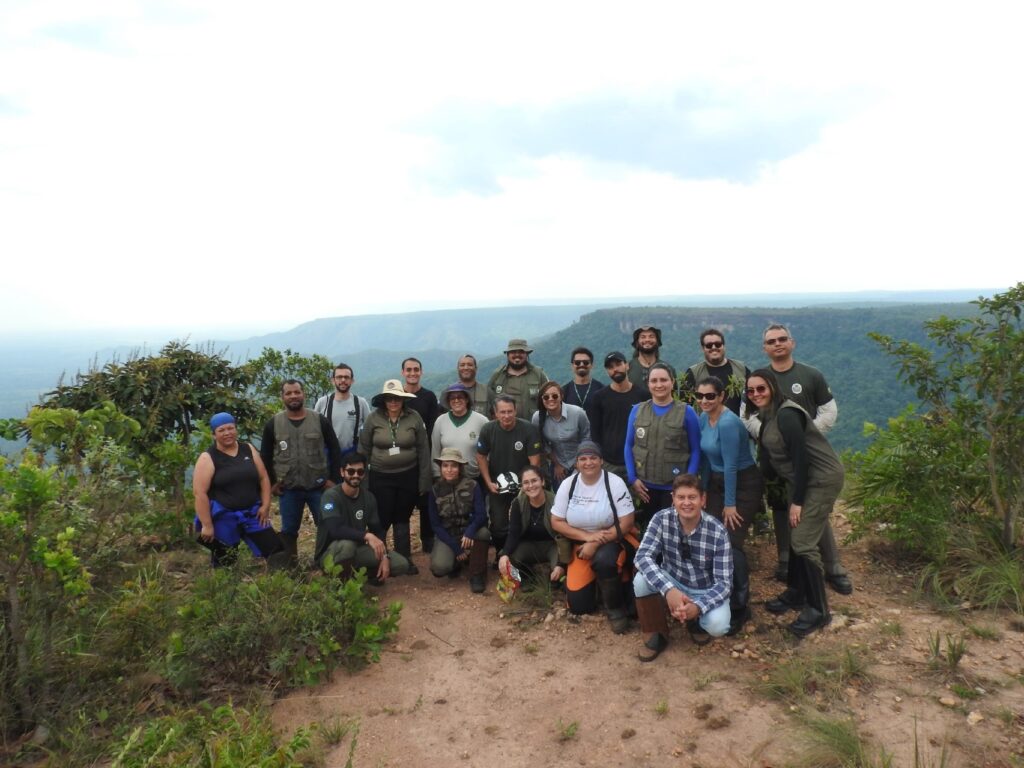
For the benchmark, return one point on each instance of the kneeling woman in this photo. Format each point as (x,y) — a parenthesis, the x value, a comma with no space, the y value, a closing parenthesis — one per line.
(531,539)
(458,517)
(232,498)
(594,510)
(802,456)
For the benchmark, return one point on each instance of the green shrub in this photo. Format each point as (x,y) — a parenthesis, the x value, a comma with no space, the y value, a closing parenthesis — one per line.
(274,628)
(221,737)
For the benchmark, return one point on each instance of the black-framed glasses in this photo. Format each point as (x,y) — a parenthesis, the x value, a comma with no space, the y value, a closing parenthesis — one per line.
(579,363)
(776,340)
(714,344)
(355,472)
(760,389)
(706,395)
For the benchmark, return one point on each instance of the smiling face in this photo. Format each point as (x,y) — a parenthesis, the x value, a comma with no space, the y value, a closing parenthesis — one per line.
(353,474)
(450,471)
(343,380)
(458,404)
(517,359)
(532,484)
(589,465)
(551,398)
(688,502)
(226,436)
(467,369)
(710,401)
(714,350)
(659,383)
(759,392)
(647,342)
(411,372)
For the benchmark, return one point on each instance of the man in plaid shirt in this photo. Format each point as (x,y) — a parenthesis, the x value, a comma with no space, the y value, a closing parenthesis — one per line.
(684,568)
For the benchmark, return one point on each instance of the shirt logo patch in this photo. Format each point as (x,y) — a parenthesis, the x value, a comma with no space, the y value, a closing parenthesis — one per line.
(283,445)
(359,514)
(472,435)
(641,432)
(797,389)
(498,388)
(518,445)
(328,507)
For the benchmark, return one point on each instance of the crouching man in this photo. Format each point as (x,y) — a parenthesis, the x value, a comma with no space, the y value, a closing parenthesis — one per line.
(684,568)
(349,533)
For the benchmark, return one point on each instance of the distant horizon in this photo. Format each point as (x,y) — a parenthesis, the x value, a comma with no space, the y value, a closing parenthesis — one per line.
(138,335)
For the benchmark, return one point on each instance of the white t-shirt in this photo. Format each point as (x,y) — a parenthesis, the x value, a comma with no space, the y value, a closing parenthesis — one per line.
(588,509)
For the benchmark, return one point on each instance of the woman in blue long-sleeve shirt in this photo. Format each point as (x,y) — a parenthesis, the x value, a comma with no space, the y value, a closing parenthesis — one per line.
(732,477)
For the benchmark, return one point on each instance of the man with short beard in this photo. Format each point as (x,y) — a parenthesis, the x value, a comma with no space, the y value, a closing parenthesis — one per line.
(345,411)
(466,368)
(350,533)
(518,379)
(425,404)
(647,343)
(303,459)
(731,372)
(611,406)
(583,388)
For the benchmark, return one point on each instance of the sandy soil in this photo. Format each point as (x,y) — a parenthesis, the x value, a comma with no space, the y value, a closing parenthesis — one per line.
(474,682)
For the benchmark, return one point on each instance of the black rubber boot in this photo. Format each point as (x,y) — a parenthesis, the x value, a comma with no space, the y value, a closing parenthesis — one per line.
(290,542)
(815,613)
(614,605)
(739,598)
(653,617)
(478,567)
(794,595)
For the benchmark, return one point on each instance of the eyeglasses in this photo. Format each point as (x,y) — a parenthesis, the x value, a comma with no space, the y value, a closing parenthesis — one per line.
(355,472)
(550,396)
(579,363)
(706,395)
(714,344)
(760,389)
(776,340)
(342,376)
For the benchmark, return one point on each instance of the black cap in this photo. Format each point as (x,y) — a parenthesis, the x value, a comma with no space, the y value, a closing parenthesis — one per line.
(613,357)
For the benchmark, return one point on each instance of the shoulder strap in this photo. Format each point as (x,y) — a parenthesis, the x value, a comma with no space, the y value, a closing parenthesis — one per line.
(611,502)
(329,411)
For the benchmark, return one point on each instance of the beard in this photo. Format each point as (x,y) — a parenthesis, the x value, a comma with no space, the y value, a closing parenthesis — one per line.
(517,365)
(618,377)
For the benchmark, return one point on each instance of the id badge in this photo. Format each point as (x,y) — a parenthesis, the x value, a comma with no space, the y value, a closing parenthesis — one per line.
(394,450)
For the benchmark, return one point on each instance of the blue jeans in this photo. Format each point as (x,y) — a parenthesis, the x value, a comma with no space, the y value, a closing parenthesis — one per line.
(715,622)
(292,501)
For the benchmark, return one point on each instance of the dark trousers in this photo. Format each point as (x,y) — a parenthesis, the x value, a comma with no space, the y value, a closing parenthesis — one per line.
(396,494)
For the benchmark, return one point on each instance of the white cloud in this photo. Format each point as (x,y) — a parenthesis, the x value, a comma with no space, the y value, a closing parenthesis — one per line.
(151,153)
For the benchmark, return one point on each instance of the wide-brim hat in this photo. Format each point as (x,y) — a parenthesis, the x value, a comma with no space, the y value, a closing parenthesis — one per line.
(451,454)
(462,389)
(392,387)
(636,334)
(518,345)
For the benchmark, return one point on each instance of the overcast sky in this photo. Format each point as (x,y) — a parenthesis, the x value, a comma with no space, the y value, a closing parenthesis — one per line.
(195,165)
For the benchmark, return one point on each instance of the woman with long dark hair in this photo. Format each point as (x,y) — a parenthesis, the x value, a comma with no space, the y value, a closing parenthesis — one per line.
(800,454)
(562,428)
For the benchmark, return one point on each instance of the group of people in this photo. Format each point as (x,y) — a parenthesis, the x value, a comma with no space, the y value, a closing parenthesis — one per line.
(549,474)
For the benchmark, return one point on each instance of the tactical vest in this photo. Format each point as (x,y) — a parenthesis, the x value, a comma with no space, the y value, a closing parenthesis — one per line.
(661,449)
(300,459)
(523,389)
(455,504)
(701,370)
(824,468)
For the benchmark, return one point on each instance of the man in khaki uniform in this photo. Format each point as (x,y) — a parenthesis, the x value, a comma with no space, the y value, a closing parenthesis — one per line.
(517,379)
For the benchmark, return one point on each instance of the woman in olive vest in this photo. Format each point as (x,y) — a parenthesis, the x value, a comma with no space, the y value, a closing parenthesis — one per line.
(395,439)
(801,455)
(662,442)
(531,540)
(458,517)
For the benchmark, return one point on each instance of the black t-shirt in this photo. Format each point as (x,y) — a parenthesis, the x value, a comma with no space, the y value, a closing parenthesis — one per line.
(611,414)
(508,450)
(426,406)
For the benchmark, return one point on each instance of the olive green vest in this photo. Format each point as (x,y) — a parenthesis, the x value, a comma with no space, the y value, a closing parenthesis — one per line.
(661,449)
(701,370)
(525,510)
(824,468)
(455,504)
(300,458)
(523,389)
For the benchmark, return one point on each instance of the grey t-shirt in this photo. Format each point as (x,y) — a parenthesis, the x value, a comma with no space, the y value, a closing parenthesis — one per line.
(343,418)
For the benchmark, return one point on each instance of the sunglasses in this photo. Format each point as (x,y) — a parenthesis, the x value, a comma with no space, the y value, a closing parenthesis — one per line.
(776,340)
(760,389)
(706,395)
(355,472)
(550,396)
(714,344)
(579,363)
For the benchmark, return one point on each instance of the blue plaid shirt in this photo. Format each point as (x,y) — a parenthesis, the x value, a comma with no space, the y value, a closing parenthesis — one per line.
(709,566)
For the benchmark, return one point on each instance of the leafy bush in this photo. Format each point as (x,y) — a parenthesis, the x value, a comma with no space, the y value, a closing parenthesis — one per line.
(275,628)
(221,737)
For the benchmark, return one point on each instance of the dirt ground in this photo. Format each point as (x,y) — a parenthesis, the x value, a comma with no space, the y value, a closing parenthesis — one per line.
(472,681)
